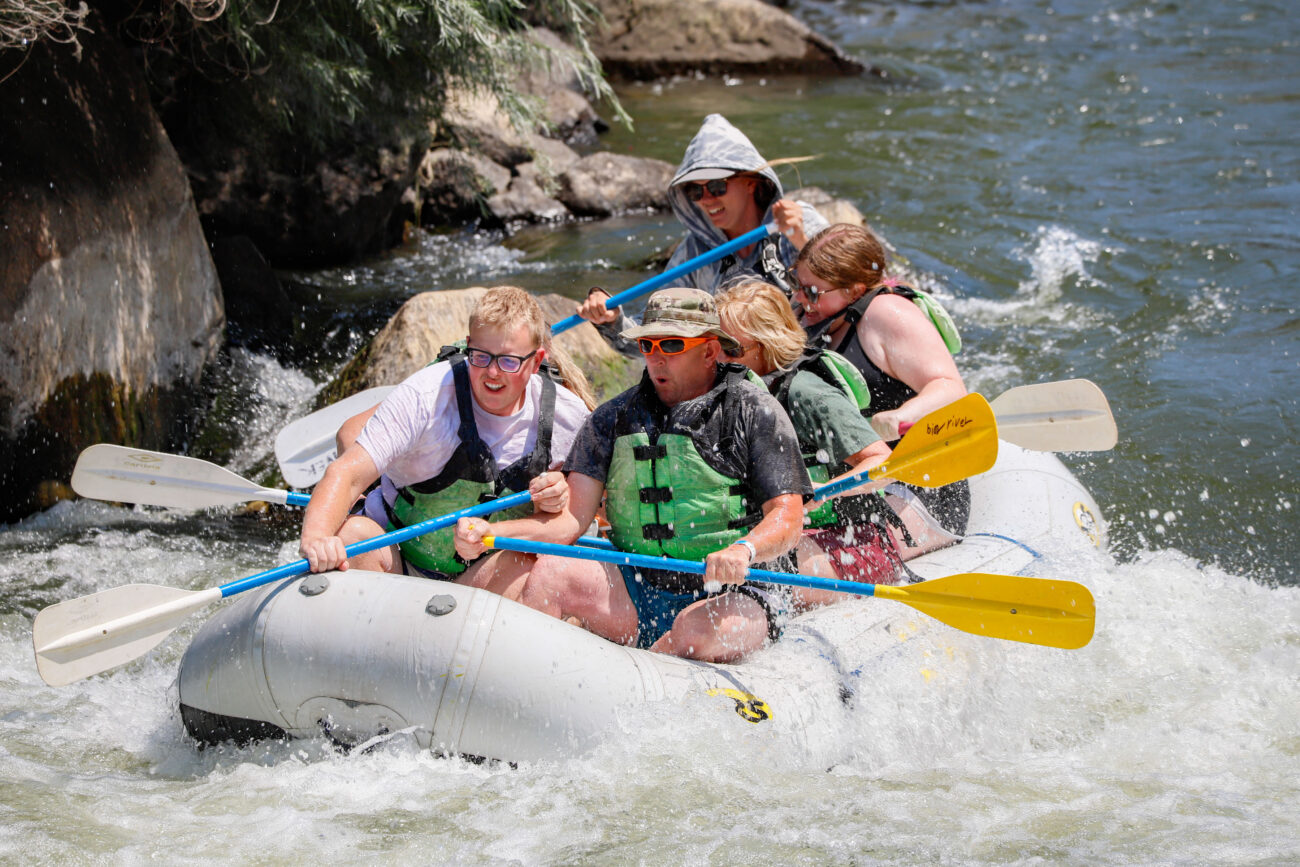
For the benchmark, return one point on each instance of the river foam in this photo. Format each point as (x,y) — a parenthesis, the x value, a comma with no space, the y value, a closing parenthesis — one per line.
(1170,738)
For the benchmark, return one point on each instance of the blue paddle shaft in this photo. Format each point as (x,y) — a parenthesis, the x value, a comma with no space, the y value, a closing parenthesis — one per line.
(298,567)
(751,237)
(644,561)
(297,498)
(825,492)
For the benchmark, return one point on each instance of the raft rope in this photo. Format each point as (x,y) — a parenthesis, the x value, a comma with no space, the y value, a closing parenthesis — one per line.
(1036,555)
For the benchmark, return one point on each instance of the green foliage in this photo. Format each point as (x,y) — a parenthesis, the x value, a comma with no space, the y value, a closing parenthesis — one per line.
(316,70)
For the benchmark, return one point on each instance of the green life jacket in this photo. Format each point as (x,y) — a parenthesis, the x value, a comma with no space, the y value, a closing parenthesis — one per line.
(663,498)
(838,371)
(931,307)
(470,476)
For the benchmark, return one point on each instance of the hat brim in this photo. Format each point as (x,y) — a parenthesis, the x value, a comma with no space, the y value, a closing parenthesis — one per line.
(682,329)
(705,175)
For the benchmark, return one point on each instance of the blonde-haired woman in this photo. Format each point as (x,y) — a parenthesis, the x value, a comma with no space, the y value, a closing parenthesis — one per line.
(845,538)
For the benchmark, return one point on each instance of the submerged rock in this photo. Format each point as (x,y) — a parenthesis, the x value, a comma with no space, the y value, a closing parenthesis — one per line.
(833,209)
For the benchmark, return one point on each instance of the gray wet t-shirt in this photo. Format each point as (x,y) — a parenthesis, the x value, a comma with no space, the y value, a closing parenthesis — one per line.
(759,449)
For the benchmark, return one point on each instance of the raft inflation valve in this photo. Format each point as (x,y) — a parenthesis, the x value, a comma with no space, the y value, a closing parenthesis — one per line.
(440,605)
(314,585)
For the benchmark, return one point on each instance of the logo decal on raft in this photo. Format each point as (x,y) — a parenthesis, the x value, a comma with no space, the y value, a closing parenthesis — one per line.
(748,706)
(1087,522)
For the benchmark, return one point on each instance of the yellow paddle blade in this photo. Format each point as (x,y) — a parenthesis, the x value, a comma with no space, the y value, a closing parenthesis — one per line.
(952,443)
(1031,610)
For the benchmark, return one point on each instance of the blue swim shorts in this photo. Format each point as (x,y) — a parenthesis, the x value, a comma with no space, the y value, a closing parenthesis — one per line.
(657,609)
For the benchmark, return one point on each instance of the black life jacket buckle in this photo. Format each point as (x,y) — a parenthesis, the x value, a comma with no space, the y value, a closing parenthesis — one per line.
(655,496)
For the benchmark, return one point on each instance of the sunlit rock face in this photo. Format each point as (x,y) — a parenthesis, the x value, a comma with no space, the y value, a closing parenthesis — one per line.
(109,302)
(652,38)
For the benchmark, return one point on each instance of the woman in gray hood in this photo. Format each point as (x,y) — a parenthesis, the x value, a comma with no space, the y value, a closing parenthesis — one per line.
(722,189)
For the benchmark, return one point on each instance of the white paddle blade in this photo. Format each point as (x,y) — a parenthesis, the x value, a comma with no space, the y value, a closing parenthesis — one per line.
(126,475)
(84,636)
(304,448)
(1068,416)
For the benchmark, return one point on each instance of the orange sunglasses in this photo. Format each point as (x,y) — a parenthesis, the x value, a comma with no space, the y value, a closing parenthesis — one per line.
(668,345)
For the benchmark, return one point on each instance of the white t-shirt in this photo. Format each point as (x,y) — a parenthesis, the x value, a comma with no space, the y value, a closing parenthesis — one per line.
(415,431)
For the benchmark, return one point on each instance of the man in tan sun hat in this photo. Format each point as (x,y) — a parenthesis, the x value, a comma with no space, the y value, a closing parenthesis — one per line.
(695,462)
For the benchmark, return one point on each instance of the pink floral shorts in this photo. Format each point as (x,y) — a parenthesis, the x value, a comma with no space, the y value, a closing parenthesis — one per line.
(860,552)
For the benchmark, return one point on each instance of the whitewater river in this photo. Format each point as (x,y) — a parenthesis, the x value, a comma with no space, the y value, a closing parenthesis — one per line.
(1106,190)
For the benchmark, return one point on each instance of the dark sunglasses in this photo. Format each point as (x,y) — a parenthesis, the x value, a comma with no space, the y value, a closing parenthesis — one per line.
(812,293)
(716,188)
(668,345)
(506,363)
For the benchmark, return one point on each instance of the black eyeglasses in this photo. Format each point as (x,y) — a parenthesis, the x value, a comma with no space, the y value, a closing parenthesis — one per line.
(506,363)
(716,188)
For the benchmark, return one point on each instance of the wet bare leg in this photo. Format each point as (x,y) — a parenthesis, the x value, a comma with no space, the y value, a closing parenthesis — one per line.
(584,592)
(358,528)
(718,629)
(502,572)
(816,562)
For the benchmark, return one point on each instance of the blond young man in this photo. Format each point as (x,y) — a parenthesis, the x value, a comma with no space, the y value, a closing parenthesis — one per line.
(481,424)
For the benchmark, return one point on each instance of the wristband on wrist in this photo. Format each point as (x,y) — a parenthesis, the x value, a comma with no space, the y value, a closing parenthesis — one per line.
(753,552)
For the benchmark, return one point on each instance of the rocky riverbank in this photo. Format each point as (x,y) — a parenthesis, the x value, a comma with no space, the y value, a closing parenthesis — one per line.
(123,259)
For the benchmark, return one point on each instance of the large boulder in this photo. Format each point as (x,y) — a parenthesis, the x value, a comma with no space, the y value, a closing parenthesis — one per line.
(455,184)
(569,113)
(603,184)
(528,198)
(259,311)
(477,122)
(475,119)
(502,175)
(553,183)
(652,38)
(431,320)
(109,301)
(334,212)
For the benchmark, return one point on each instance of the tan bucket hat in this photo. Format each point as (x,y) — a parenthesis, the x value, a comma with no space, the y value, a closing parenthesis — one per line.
(682,312)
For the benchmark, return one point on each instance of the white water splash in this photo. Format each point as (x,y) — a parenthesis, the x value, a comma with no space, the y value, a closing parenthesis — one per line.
(278,395)
(1170,738)
(1058,256)
(1058,261)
